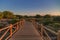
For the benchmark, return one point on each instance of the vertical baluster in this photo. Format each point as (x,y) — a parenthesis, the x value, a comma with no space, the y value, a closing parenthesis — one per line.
(41,30)
(58,36)
(10,29)
(17,26)
(20,23)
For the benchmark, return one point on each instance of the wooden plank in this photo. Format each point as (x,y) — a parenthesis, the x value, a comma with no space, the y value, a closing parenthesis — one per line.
(58,36)
(28,32)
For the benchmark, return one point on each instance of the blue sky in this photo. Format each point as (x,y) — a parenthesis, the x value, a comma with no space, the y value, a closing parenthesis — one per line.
(30,7)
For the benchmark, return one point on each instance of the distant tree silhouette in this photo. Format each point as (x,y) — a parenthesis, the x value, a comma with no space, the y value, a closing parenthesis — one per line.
(47,16)
(26,16)
(8,14)
(56,18)
(19,16)
(38,16)
(1,15)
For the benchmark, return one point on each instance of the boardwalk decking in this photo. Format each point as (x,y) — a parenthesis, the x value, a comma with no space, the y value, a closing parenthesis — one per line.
(28,32)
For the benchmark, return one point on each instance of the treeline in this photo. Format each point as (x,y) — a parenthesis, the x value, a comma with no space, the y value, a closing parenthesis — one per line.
(11,15)
(45,17)
(7,15)
(45,20)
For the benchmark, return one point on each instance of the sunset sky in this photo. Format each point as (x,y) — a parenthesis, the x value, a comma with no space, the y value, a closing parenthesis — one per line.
(31,7)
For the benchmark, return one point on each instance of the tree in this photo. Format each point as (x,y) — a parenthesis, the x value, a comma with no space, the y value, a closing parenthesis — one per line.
(8,14)
(1,15)
(38,16)
(19,16)
(26,16)
(47,16)
(56,18)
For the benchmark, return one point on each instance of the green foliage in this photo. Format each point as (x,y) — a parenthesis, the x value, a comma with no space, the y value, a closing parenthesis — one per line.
(19,16)
(47,22)
(1,25)
(38,16)
(54,21)
(47,16)
(8,14)
(56,26)
(26,16)
(57,18)
(1,15)
(13,21)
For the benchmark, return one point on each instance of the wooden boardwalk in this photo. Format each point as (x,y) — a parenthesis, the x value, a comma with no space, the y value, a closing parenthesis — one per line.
(28,32)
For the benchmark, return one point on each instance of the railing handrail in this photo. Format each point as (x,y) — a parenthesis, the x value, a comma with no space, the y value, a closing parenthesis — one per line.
(10,27)
(4,28)
(51,30)
(48,29)
(43,30)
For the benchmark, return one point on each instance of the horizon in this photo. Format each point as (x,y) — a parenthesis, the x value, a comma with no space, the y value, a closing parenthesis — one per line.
(31,7)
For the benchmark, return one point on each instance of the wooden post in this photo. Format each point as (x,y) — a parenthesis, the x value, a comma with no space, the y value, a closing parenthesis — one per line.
(33,21)
(58,36)
(41,30)
(10,29)
(20,23)
(17,26)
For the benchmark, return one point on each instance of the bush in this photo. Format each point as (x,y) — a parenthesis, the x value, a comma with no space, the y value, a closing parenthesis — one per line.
(47,22)
(13,21)
(56,25)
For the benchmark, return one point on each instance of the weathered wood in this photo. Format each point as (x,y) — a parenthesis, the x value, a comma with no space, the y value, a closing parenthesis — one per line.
(51,30)
(42,29)
(4,28)
(48,37)
(11,29)
(4,34)
(58,36)
(28,32)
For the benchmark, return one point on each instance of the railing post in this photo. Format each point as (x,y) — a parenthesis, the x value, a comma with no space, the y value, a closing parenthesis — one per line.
(10,29)
(58,35)
(41,29)
(33,21)
(17,26)
(21,24)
